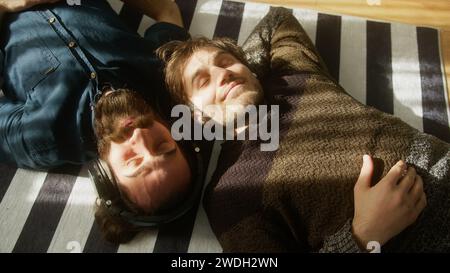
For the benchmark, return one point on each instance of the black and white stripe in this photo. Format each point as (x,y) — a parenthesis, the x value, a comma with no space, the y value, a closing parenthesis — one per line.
(47,210)
(406,82)
(230,19)
(353,57)
(394,67)
(379,67)
(328,41)
(7,173)
(434,100)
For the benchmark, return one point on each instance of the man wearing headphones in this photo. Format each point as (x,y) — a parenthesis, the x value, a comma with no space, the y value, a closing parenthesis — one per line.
(57,60)
(154,181)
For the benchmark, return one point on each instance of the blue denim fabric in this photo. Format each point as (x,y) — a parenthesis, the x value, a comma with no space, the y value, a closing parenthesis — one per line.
(54,60)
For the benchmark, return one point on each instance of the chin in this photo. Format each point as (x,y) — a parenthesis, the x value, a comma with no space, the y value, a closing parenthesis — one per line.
(247,98)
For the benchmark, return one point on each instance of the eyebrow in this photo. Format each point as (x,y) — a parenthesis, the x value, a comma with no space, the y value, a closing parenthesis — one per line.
(216,55)
(141,168)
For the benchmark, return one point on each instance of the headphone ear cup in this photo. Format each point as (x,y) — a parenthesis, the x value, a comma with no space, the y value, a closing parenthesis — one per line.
(104,183)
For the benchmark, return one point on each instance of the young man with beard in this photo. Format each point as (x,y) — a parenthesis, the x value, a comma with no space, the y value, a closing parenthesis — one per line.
(303,196)
(151,169)
(57,61)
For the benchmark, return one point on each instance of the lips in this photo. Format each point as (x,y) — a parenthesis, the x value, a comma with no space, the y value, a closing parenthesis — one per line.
(230,88)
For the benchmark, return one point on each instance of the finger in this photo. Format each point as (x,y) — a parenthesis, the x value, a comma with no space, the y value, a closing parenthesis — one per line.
(421,203)
(408,181)
(365,176)
(410,174)
(395,173)
(417,190)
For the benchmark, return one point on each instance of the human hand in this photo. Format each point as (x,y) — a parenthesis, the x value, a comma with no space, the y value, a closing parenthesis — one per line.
(383,211)
(19,5)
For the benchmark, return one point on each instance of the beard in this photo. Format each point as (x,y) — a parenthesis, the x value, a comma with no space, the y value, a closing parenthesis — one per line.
(235,107)
(235,102)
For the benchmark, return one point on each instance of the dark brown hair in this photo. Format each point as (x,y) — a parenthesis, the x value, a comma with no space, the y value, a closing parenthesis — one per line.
(113,227)
(112,109)
(176,54)
(109,111)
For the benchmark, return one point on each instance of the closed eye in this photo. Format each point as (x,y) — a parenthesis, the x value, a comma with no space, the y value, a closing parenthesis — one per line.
(226,63)
(204,82)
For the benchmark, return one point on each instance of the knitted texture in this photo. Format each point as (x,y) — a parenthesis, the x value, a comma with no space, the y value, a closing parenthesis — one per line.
(300,197)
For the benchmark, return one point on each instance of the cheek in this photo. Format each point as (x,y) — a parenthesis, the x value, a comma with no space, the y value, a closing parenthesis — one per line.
(114,159)
(250,75)
(244,72)
(255,84)
(158,129)
(178,162)
(205,97)
(241,70)
(183,172)
(252,80)
(114,153)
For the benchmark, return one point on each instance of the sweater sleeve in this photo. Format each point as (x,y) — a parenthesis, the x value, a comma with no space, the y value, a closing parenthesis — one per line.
(163,32)
(341,242)
(280,45)
(257,234)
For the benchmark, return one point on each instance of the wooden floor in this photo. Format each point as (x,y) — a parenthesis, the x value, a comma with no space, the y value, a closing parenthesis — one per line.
(434,13)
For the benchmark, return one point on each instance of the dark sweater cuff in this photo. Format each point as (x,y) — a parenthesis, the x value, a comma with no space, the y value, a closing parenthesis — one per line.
(342,241)
(163,32)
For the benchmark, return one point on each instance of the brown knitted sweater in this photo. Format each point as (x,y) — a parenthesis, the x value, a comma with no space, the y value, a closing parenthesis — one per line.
(300,197)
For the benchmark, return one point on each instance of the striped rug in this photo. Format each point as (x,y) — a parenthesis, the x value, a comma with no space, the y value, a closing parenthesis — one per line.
(396,68)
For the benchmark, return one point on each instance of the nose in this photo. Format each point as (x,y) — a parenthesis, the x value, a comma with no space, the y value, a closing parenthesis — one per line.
(151,141)
(224,76)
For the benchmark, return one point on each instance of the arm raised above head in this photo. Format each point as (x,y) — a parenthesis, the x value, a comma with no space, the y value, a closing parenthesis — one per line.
(160,10)
(19,5)
(280,43)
